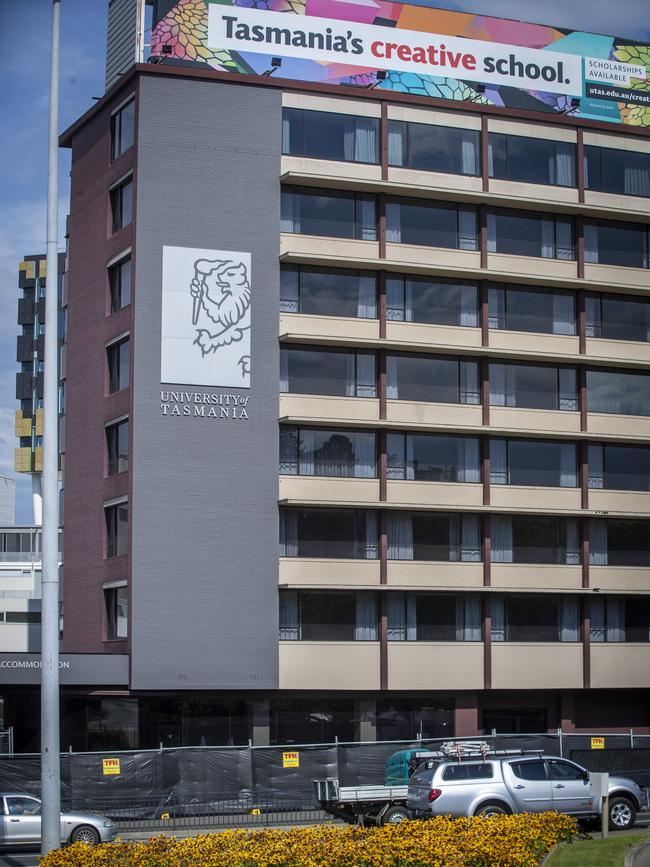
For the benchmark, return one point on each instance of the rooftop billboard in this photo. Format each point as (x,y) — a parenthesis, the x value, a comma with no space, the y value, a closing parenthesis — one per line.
(414,49)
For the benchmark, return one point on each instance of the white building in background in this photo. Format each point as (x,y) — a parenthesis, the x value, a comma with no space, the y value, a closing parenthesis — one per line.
(7,500)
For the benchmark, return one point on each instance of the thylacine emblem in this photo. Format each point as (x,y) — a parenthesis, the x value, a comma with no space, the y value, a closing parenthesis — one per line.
(221,290)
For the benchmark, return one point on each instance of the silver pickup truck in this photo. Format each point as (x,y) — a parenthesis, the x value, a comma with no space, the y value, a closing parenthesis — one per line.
(517,784)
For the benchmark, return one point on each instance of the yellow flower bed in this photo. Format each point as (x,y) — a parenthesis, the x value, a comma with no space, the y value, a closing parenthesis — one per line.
(497,841)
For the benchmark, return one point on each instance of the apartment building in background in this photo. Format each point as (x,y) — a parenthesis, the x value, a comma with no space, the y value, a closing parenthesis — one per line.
(358,385)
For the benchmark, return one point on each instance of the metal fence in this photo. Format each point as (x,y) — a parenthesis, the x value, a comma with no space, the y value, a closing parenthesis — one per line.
(7,742)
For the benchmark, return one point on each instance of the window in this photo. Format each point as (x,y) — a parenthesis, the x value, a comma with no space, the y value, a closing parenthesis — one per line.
(533,462)
(327,616)
(117,529)
(123,129)
(534,386)
(532,770)
(322,452)
(611,170)
(330,136)
(23,807)
(117,447)
(536,618)
(513,308)
(434,536)
(559,770)
(619,542)
(526,234)
(440,225)
(431,458)
(425,147)
(531,160)
(22,617)
(609,243)
(121,205)
(117,356)
(437,302)
(433,616)
(618,317)
(534,539)
(619,468)
(467,771)
(119,282)
(328,292)
(618,392)
(432,378)
(116,600)
(329,533)
(328,371)
(329,214)
(619,619)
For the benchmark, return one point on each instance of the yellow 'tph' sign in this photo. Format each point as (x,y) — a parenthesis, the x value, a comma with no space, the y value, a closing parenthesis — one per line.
(598,743)
(111,767)
(290,760)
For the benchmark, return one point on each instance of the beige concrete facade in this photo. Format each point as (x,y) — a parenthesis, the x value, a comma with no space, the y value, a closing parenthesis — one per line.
(433,665)
(620,501)
(328,328)
(620,666)
(540,345)
(308,572)
(422,574)
(547,665)
(329,490)
(526,498)
(622,351)
(339,665)
(535,576)
(632,425)
(324,408)
(419,336)
(452,494)
(434,414)
(620,579)
(534,420)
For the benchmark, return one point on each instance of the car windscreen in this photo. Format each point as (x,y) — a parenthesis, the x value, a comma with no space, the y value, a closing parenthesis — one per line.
(424,773)
(468,771)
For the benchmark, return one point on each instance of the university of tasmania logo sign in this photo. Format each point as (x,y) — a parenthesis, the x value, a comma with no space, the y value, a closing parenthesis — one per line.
(206,317)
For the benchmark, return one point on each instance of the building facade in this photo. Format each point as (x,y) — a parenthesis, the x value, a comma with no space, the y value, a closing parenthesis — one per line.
(357,421)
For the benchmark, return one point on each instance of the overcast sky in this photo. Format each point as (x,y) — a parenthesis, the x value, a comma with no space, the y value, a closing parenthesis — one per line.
(24,71)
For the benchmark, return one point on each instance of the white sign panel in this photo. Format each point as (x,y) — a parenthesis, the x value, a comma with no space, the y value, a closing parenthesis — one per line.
(375,47)
(206,317)
(613,71)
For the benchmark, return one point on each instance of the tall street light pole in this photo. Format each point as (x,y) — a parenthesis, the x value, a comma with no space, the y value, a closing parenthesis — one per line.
(50,741)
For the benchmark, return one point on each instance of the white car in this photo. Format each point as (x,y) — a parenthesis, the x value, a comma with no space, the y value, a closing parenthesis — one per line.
(21,823)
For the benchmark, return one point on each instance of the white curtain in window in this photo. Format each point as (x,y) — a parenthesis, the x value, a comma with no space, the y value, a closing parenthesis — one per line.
(569,619)
(396,615)
(286,135)
(454,538)
(467,232)
(392,388)
(393,223)
(396,456)
(366,375)
(498,462)
(615,619)
(572,542)
(496,307)
(306,452)
(473,617)
(597,620)
(288,533)
(366,150)
(498,375)
(563,314)
(470,550)
(365,627)
(491,231)
(410,456)
(598,543)
(411,617)
(568,383)
(596,458)
(365,456)
(498,606)
(501,531)
(290,294)
(396,143)
(469,383)
(593,326)
(568,469)
(468,460)
(409,291)
(284,370)
(591,243)
(289,620)
(468,311)
(367,304)
(121,613)
(460,617)
(548,237)
(290,212)
(371,548)
(400,536)
(561,167)
(490,158)
(468,153)
(366,217)
(395,299)
(288,451)
(636,178)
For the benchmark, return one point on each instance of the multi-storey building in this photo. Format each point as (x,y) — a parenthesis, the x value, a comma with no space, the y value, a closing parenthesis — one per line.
(401,328)
(7,500)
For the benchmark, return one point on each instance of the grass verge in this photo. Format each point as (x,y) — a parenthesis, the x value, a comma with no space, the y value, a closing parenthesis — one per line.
(596,852)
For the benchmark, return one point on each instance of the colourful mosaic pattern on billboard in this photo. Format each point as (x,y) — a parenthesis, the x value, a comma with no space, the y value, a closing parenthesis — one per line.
(184,27)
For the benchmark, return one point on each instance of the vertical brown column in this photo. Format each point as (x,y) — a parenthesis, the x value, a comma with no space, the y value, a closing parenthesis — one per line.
(485,176)
(482,235)
(487,642)
(383,132)
(586,644)
(484,313)
(583,469)
(582,396)
(580,157)
(466,715)
(584,550)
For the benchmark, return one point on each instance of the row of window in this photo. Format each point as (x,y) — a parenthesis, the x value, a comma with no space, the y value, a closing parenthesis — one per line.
(319,291)
(450,379)
(450,537)
(308,615)
(345,453)
(337,214)
(426,147)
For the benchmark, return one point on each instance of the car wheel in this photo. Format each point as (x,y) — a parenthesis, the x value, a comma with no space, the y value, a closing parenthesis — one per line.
(395,815)
(85,834)
(492,809)
(622,814)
